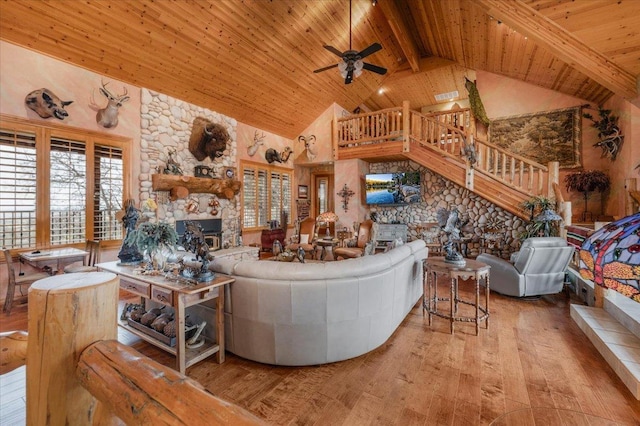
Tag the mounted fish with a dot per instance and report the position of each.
(46, 104)
(107, 117)
(208, 139)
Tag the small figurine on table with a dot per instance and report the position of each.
(193, 240)
(129, 253)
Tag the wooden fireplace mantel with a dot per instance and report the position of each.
(182, 186)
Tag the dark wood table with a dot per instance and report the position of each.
(472, 270)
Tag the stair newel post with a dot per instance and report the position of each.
(554, 177)
(406, 126)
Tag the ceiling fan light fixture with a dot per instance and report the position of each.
(358, 65)
(357, 73)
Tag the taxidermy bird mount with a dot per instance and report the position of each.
(352, 62)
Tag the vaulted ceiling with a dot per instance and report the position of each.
(253, 60)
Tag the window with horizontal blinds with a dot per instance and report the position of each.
(108, 169)
(68, 191)
(17, 189)
(266, 193)
(80, 176)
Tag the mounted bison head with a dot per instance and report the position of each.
(208, 139)
(46, 104)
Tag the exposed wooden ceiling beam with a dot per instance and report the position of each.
(402, 34)
(563, 44)
(424, 65)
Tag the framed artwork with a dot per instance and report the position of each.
(542, 137)
(303, 191)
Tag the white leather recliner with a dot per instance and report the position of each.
(538, 268)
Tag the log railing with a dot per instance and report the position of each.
(512, 169)
(365, 128)
(77, 373)
(450, 133)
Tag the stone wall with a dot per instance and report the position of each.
(439, 192)
(166, 125)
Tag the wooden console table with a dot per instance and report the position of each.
(473, 270)
(179, 296)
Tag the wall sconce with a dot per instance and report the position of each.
(345, 193)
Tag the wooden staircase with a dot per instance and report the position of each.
(446, 144)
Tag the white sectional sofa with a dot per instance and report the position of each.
(288, 313)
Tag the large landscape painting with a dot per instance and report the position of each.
(542, 137)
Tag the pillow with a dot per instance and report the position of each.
(304, 239)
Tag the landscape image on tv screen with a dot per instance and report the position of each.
(393, 188)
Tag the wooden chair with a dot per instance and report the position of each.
(432, 236)
(19, 281)
(305, 238)
(88, 265)
(364, 236)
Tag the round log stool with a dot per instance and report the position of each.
(67, 313)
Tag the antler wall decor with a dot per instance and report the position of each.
(345, 193)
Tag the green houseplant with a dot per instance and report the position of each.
(587, 181)
(152, 239)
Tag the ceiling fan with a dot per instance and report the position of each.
(352, 62)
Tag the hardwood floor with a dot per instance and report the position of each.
(532, 356)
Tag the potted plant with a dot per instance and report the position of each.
(586, 182)
(543, 220)
(152, 239)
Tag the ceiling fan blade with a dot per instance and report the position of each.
(349, 78)
(369, 50)
(325, 68)
(374, 68)
(333, 50)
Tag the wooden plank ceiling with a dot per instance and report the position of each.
(254, 59)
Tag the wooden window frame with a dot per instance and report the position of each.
(269, 169)
(43, 132)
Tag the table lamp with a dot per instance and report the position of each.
(327, 217)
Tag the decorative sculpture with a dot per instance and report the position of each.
(46, 104)
(476, 103)
(172, 167)
(451, 224)
(129, 253)
(300, 254)
(276, 249)
(608, 132)
(193, 241)
(345, 193)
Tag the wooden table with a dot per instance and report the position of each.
(179, 296)
(474, 270)
(53, 258)
(324, 243)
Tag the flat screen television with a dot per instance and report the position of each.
(397, 188)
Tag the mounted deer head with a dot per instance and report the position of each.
(309, 146)
(107, 117)
(257, 141)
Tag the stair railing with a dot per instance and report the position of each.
(450, 134)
